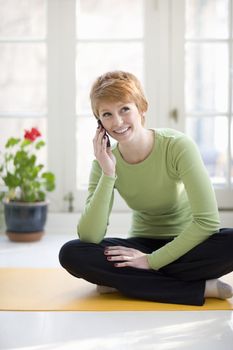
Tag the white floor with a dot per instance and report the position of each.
(103, 330)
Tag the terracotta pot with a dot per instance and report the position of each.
(25, 221)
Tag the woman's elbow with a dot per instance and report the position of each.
(212, 225)
(89, 238)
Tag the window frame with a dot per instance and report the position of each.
(224, 196)
(61, 98)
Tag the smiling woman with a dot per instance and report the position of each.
(118, 101)
(175, 251)
(117, 118)
(123, 123)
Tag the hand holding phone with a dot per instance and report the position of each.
(105, 134)
(103, 152)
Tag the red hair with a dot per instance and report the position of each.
(117, 86)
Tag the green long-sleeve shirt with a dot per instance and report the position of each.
(170, 195)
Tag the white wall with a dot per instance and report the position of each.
(62, 223)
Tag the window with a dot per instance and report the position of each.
(203, 75)
(207, 92)
(23, 101)
(110, 36)
(181, 50)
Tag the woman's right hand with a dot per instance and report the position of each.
(104, 154)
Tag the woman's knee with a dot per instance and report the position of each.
(64, 254)
(75, 253)
(69, 253)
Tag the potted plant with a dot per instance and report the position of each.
(25, 204)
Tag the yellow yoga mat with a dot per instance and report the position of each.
(53, 289)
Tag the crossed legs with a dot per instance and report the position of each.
(181, 282)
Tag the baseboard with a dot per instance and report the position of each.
(62, 223)
(67, 222)
(119, 222)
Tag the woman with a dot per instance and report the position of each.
(175, 252)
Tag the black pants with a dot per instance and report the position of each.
(181, 282)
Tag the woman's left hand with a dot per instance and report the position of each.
(126, 257)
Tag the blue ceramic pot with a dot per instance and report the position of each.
(25, 218)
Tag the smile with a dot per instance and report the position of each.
(121, 131)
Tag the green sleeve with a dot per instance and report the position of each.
(186, 162)
(93, 223)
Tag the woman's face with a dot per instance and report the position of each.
(121, 120)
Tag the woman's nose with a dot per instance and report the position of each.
(118, 120)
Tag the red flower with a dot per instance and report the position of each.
(32, 135)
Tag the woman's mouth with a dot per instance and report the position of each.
(121, 131)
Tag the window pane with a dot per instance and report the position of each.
(206, 85)
(211, 136)
(23, 18)
(14, 127)
(107, 56)
(104, 19)
(207, 19)
(22, 77)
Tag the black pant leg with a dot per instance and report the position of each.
(211, 259)
(87, 260)
(77, 256)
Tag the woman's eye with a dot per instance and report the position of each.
(106, 115)
(125, 109)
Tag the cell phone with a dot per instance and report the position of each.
(105, 134)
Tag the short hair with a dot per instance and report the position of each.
(117, 86)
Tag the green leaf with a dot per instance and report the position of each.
(12, 142)
(29, 197)
(31, 160)
(11, 180)
(20, 158)
(36, 185)
(41, 166)
(41, 196)
(35, 171)
(48, 176)
(49, 181)
(25, 143)
(40, 144)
